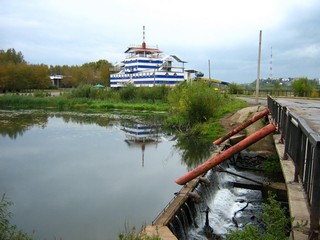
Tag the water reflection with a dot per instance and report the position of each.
(139, 131)
(141, 135)
(77, 176)
(195, 150)
(14, 124)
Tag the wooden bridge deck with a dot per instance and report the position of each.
(159, 226)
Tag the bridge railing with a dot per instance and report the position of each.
(302, 144)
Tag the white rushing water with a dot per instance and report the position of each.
(224, 203)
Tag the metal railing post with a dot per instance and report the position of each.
(287, 138)
(315, 196)
(297, 153)
(283, 124)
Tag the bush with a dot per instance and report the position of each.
(234, 88)
(275, 221)
(112, 94)
(131, 234)
(87, 91)
(8, 231)
(303, 87)
(40, 94)
(271, 166)
(152, 94)
(193, 103)
(128, 93)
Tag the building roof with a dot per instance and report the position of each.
(177, 59)
(141, 49)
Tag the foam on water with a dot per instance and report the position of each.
(224, 203)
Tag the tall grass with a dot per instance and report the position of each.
(194, 107)
(189, 105)
(67, 103)
(126, 94)
(194, 103)
(132, 234)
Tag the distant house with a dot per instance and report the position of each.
(56, 80)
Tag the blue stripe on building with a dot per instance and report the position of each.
(145, 61)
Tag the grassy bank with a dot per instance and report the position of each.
(196, 109)
(193, 109)
(81, 104)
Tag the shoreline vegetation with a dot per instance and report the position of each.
(191, 110)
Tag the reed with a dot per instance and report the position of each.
(68, 103)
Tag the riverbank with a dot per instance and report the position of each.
(77, 104)
(179, 110)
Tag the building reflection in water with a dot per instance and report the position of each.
(139, 135)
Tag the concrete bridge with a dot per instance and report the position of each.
(298, 146)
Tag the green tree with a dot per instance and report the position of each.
(11, 56)
(302, 87)
(235, 88)
(3, 77)
(105, 75)
(277, 87)
(40, 77)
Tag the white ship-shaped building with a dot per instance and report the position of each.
(146, 66)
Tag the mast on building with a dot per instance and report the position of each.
(144, 45)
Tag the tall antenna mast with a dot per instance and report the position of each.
(270, 75)
(144, 38)
(258, 75)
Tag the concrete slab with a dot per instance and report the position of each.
(308, 109)
(156, 230)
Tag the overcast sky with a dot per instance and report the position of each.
(70, 32)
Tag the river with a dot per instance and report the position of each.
(76, 176)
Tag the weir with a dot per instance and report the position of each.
(196, 199)
(214, 161)
(221, 206)
(169, 223)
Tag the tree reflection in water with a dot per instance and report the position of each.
(14, 124)
(195, 149)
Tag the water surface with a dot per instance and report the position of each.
(74, 176)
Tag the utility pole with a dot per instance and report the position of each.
(258, 75)
(270, 75)
(209, 70)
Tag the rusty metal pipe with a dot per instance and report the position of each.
(256, 117)
(210, 163)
